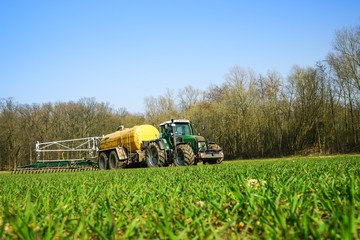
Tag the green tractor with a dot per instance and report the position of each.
(179, 145)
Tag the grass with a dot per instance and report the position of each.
(299, 198)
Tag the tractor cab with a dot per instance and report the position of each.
(183, 132)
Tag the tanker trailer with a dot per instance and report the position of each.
(124, 147)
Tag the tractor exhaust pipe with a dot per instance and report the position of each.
(174, 137)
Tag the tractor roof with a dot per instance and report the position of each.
(175, 121)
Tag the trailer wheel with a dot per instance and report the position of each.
(113, 159)
(103, 160)
(185, 156)
(154, 156)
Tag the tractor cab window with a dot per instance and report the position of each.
(165, 129)
(182, 129)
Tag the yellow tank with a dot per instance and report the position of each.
(129, 138)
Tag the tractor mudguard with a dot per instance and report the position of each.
(161, 144)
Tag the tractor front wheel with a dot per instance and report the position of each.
(185, 155)
(154, 156)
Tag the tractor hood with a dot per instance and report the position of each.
(191, 138)
(200, 138)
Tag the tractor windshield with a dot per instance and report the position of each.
(182, 129)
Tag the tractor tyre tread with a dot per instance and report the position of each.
(161, 158)
(188, 153)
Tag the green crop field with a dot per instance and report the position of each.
(301, 198)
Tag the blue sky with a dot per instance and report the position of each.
(121, 52)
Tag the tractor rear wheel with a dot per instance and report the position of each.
(185, 155)
(113, 159)
(103, 161)
(154, 156)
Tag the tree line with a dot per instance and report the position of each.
(314, 109)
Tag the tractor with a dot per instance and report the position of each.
(178, 145)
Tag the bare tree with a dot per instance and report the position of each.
(345, 63)
(347, 47)
(10, 138)
(188, 97)
(161, 108)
